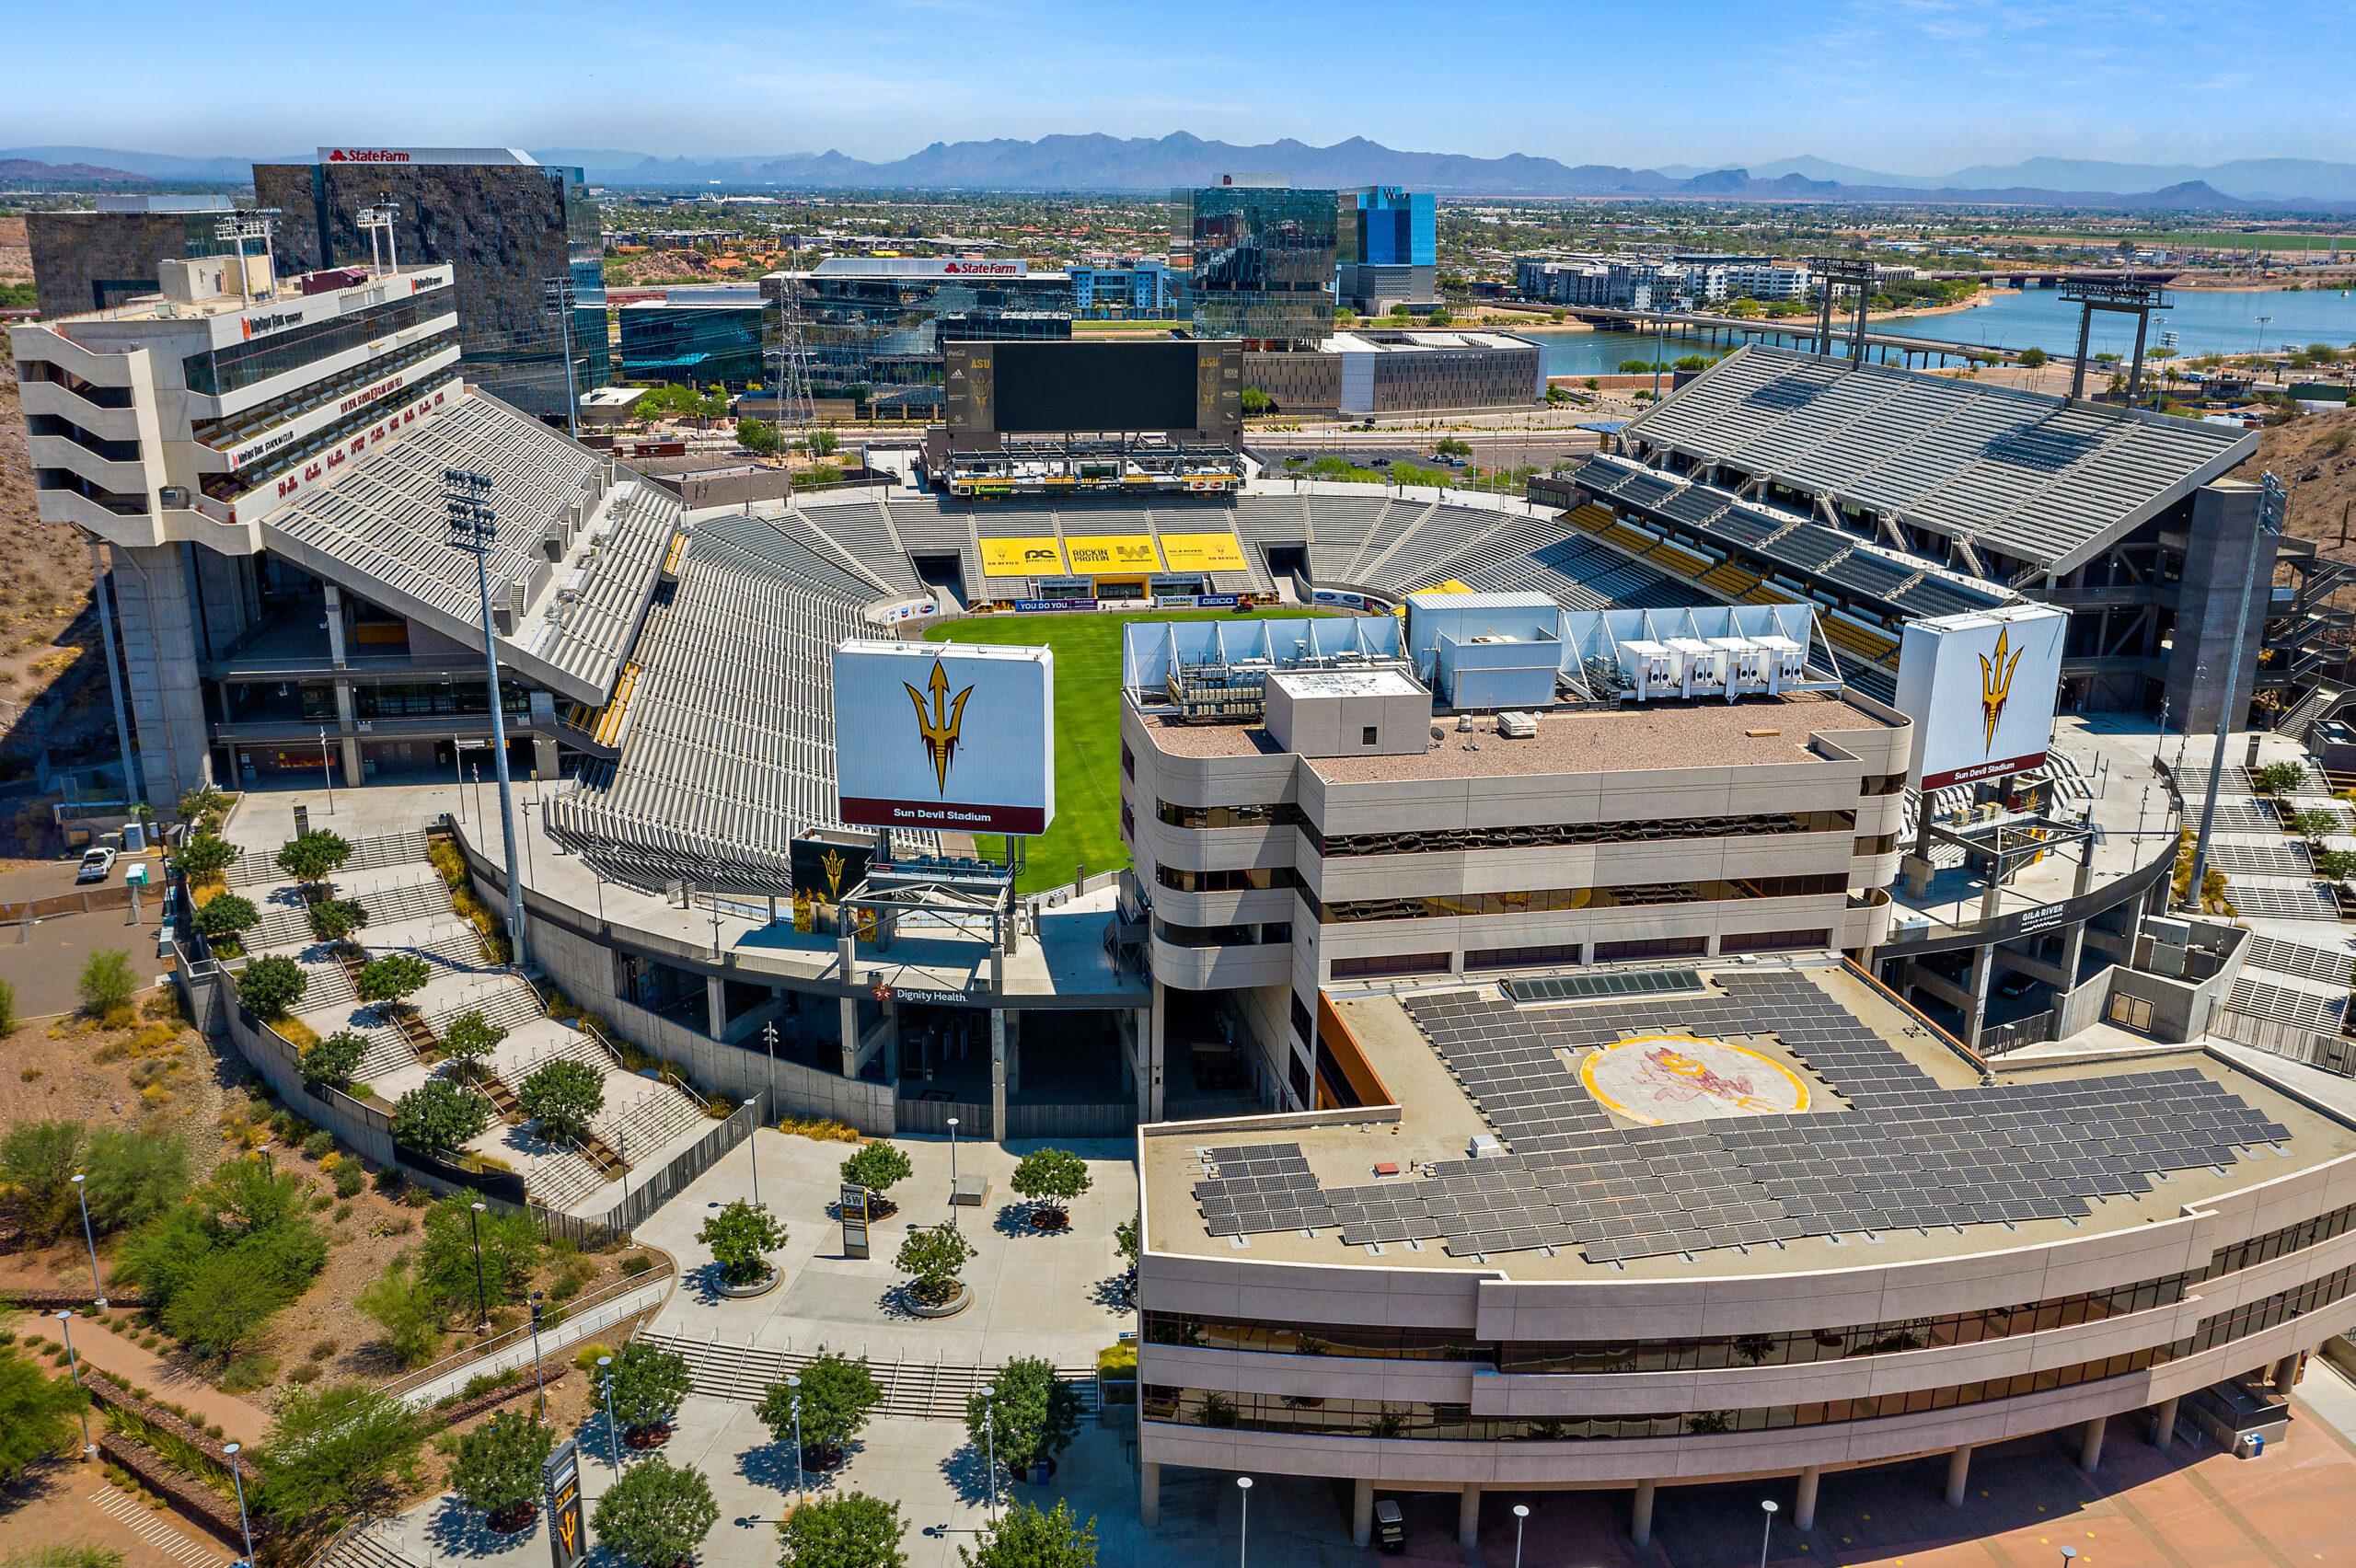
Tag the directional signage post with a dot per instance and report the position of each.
(560, 1479)
(854, 1212)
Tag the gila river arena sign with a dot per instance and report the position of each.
(1660, 1079)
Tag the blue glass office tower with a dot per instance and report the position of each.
(1390, 248)
(1259, 260)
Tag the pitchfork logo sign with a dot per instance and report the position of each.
(946, 737)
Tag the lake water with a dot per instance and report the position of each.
(2205, 322)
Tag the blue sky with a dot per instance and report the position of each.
(1909, 86)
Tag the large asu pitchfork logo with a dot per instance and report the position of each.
(940, 725)
(1996, 686)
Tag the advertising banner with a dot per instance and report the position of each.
(1202, 552)
(1026, 556)
(1101, 553)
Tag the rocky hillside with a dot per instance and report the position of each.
(2314, 455)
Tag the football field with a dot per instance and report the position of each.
(1087, 829)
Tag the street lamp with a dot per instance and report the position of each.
(753, 1143)
(65, 1326)
(2069, 1555)
(1521, 1518)
(1243, 1520)
(768, 1029)
(794, 1388)
(953, 1162)
(474, 528)
(613, 1428)
(89, 1239)
(1766, 1507)
(474, 1229)
(989, 1452)
(539, 1378)
(237, 1479)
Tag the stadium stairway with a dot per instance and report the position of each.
(928, 1391)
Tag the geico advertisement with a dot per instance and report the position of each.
(1980, 689)
(957, 739)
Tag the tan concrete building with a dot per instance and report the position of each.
(1746, 1218)
(1332, 829)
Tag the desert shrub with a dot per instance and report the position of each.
(107, 982)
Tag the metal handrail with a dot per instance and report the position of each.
(507, 1337)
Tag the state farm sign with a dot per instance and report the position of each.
(367, 155)
(980, 269)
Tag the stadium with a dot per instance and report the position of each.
(1556, 955)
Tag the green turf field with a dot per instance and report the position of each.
(1087, 829)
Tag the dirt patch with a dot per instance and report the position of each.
(48, 626)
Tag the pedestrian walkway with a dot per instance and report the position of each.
(171, 1542)
(129, 1362)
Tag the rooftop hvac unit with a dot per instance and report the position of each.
(1650, 668)
(1704, 667)
(1485, 1146)
(1517, 726)
(1788, 659)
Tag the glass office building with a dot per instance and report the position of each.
(1390, 248)
(98, 261)
(1259, 261)
(873, 326)
(506, 223)
(695, 342)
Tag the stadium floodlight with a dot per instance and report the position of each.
(474, 528)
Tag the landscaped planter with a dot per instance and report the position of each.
(643, 1437)
(1049, 1219)
(949, 1308)
(761, 1287)
(514, 1518)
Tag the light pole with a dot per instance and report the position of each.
(89, 1239)
(539, 1378)
(474, 528)
(474, 1231)
(1521, 1518)
(326, 778)
(65, 1327)
(613, 1428)
(1766, 1507)
(952, 1165)
(794, 1388)
(1243, 1521)
(989, 1452)
(2069, 1555)
(753, 1143)
(237, 1479)
(557, 298)
(768, 1029)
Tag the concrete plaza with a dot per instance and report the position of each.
(1034, 1294)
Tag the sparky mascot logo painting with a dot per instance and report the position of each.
(940, 725)
(1995, 686)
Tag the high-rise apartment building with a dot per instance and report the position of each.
(507, 223)
(1258, 259)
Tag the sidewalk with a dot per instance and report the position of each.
(127, 1362)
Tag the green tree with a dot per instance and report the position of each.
(1557, 396)
(438, 1116)
(852, 1531)
(823, 443)
(107, 982)
(1635, 367)
(562, 1097)
(398, 1303)
(741, 1236)
(1256, 403)
(334, 1059)
(837, 1394)
(335, 919)
(656, 1515)
(1034, 1416)
(334, 1453)
(1051, 1177)
(227, 914)
(878, 1167)
(512, 1249)
(1026, 1537)
(758, 437)
(647, 1387)
(204, 855)
(470, 1039)
(1126, 1239)
(38, 1160)
(225, 1304)
(36, 1414)
(2278, 778)
(2336, 865)
(392, 978)
(934, 1255)
(497, 1470)
(134, 1177)
(2034, 359)
(2314, 824)
(1449, 447)
(270, 985)
(313, 857)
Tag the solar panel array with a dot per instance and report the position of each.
(1894, 1149)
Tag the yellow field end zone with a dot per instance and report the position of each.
(1202, 552)
(1113, 552)
(1028, 556)
(1659, 1079)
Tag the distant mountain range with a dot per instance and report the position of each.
(1097, 162)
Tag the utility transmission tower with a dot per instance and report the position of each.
(796, 411)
